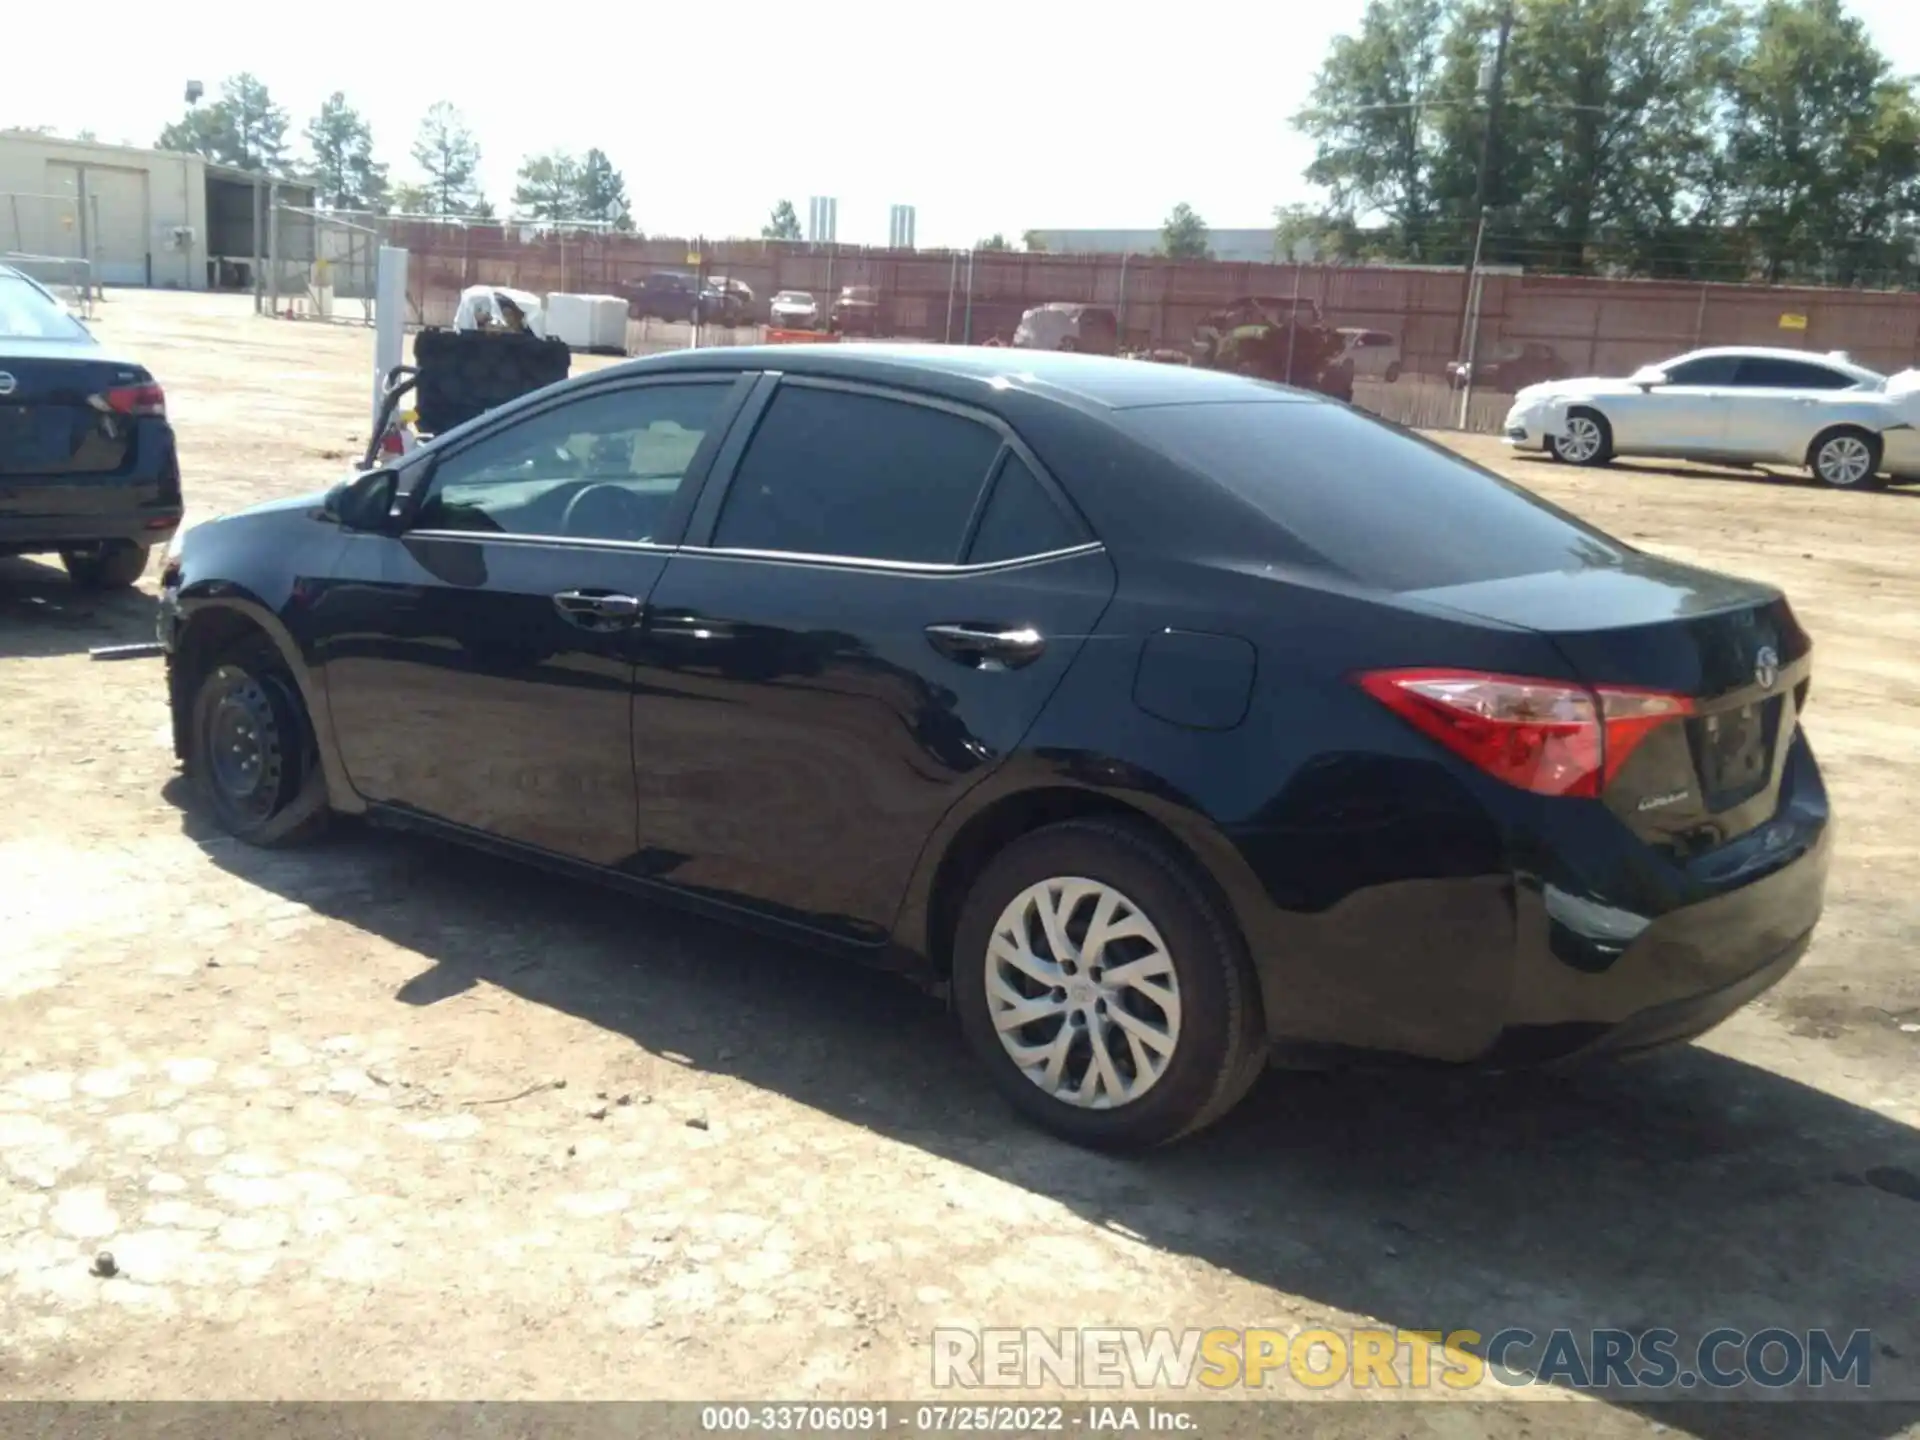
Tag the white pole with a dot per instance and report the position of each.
(389, 319)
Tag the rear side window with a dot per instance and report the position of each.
(1372, 500)
(1709, 370)
(1021, 519)
(1767, 372)
(27, 314)
(833, 473)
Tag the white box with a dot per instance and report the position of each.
(588, 322)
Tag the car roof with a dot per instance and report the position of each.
(1781, 352)
(972, 372)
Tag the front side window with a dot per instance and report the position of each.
(835, 473)
(604, 467)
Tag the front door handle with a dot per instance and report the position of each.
(597, 609)
(988, 647)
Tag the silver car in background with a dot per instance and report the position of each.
(794, 310)
(1749, 405)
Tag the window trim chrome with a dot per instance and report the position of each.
(930, 569)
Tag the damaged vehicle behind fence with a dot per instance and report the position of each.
(1280, 338)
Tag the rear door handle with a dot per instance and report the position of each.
(597, 610)
(988, 647)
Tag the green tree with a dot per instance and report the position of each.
(548, 188)
(1372, 117)
(995, 241)
(783, 224)
(198, 132)
(1183, 236)
(1824, 151)
(346, 176)
(243, 127)
(1033, 242)
(603, 192)
(449, 157)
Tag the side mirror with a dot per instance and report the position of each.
(1648, 377)
(364, 502)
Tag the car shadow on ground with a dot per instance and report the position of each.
(1688, 1191)
(42, 614)
(1758, 475)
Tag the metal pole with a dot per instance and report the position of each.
(1123, 296)
(1473, 319)
(1293, 323)
(389, 319)
(259, 246)
(273, 248)
(953, 279)
(1493, 110)
(967, 338)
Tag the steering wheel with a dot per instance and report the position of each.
(607, 512)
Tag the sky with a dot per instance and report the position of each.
(991, 115)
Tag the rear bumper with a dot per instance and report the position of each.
(144, 525)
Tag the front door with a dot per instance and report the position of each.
(1685, 416)
(891, 593)
(479, 667)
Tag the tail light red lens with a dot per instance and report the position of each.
(1546, 736)
(137, 400)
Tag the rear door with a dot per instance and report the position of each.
(868, 616)
(1772, 409)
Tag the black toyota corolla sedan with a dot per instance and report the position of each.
(1172, 721)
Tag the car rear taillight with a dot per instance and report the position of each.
(137, 400)
(1547, 736)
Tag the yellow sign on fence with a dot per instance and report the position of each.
(1793, 322)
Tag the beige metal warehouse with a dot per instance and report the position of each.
(135, 217)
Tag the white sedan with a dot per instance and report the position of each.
(1847, 424)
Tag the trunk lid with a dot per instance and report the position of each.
(1732, 647)
(55, 419)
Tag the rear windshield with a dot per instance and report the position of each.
(1379, 503)
(27, 314)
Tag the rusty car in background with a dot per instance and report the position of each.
(1509, 368)
(1277, 337)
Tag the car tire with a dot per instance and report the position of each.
(1393, 373)
(1846, 457)
(1211, 1047)
(1589, 443)
(116, 565)
(248, 708)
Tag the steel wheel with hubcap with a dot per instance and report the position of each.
(1846, 459)
(1107, 993)
(1588, 440)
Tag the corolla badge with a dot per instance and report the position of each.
(1766, 667)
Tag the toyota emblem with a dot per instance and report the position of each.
(1766, 667)
(7, 383)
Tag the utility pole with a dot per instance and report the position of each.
(1470, 319)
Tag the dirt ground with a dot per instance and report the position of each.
(387, 1120)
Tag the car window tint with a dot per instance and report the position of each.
(1708, 370)
(832, 473)
(605, 467)
(1020, 519)
(1769, 372)
(1373, 501)
(26, 313)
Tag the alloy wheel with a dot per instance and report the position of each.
(1582, 441)
(1082, 993)
(1844, 460)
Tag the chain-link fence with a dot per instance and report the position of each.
(1423, 346)
(43, 236)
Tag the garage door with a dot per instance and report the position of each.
(117, 212)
